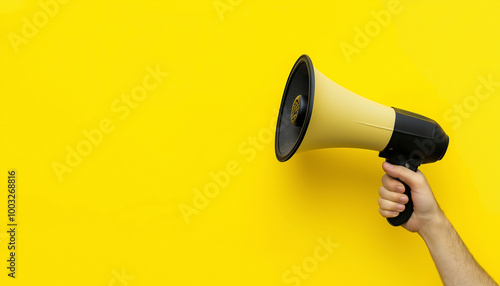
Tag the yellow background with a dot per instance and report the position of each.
(117, 213)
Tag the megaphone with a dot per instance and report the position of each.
(317, 113)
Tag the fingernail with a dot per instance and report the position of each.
(403, 199)
(395, 214)
(400, 207)
(388, 166)
(400, 189)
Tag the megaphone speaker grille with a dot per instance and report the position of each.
(296, 109)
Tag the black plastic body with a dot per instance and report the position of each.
(415, 140)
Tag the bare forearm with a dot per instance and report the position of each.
(454, 262)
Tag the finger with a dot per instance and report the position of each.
(392, 184)
(390, 206)
(388, 214)
(412, 179)
(392, 196)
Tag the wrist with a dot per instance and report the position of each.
(433, 226)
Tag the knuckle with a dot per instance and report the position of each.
(382, 212)
(420, 179)
(421, 174)
(387, 214)
(381, 190)
(384, 178)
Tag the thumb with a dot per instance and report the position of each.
(412, 179)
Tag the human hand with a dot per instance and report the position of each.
(392, 199)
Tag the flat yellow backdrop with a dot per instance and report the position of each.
(142, 137)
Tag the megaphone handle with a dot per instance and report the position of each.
(411, 164)
(405, 215)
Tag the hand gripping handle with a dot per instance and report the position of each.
(405, 215)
